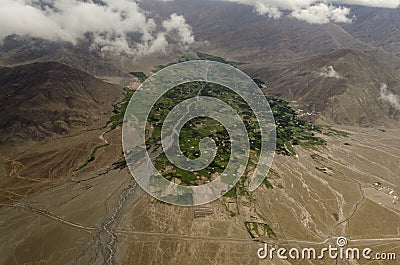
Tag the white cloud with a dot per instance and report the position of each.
(322, 14)
(178, 24)
(386, 95)
(313, 11)
(271, 12)
(372, 3)
(329, 71)
(110, 24)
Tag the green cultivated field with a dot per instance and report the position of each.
(290, 131)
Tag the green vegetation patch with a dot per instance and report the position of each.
(92, 156)
(119, 109)
(291, 130)
(231, 193)
(272, 174)
(209, 57)
(329, 131)
(140, 75)
(257, 230)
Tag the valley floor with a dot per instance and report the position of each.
(101, 216)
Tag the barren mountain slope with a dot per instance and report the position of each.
(44, 99)
(345, 86)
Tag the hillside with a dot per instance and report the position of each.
(385, 34)
(236, 32)
(17, 50)
(44, 99)
(343, 86)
